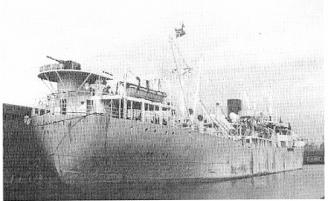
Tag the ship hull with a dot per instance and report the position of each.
(98, 148)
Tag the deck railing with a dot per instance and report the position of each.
(50, 67)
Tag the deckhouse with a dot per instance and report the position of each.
(83, 92)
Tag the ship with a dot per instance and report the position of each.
(96, 128)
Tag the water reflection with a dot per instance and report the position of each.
(305, 183)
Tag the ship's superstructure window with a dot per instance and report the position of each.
(89, 105)
(165, 115)
(133, 110)
(115, 107)
(129, 110)
(149, 113)
(136, 107)
(63, 106)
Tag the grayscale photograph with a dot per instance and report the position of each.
(162, 100)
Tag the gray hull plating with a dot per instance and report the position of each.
(98, 148)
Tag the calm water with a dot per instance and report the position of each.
(305, 183)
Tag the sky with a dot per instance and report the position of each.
(263, 52)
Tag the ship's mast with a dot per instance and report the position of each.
(181, 71)
(196, 96)
(179, 75)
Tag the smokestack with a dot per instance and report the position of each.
(234, 105)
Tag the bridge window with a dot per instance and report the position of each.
(63, 106)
